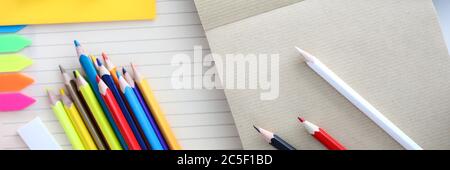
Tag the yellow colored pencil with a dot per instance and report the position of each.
(156, 110)
(77, 122)
(94, 61)
(65, 122)
(99, 115)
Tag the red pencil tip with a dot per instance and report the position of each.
(105, 57)
(301, 119)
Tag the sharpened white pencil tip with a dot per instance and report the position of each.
(123, 84)
(308, 57)
(52, 97)
(102, 87)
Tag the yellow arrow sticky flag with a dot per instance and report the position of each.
(13, 62)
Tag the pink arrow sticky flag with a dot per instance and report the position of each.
(14, 101)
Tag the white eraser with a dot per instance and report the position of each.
(37, 136)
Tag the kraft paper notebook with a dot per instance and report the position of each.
(390, 52)
(200, 119)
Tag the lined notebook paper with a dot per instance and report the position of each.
(201, 119)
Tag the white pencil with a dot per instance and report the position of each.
(359, 102)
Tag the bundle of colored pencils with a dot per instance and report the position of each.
(109, 110)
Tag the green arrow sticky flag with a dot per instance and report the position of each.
(11, 43)
(13, 62)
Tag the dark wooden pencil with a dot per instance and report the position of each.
(274, 139)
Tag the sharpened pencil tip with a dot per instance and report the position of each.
(118, 74)
(137, 76)
(76, 73)
(77, 44)
(63, 93)
(124, 70)
(105, 57)
(308, 57)
(61, 69)
(256, 128)
(301, 119)
(98, 62)
(93, 59)
(51, 97)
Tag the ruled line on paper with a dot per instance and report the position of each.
(155, 81)
(60, 132)
(148, 52)
(184, 139)
(102, 42)
(169, 115)
(200, 118)
(32, 108)
(121, 28)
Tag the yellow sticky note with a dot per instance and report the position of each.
(27, 12)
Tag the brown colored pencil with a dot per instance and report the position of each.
(85, 113)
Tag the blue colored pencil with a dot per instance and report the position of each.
(133, 101)
(91, 75)
(107, 78)
(133, 85)
(132, 113)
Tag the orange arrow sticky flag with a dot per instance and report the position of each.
(13, 82)
(13, 62)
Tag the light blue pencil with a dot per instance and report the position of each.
(150, 118)
(139, 112)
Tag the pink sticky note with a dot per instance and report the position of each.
(14, 101)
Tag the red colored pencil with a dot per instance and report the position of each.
(323, 137)
(118, 116)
